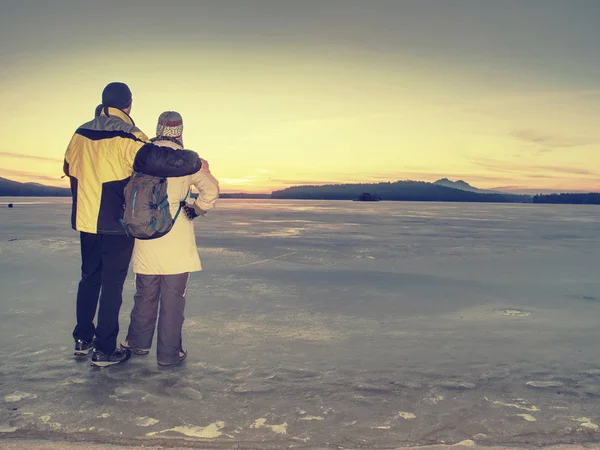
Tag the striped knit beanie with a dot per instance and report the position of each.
(170, 124)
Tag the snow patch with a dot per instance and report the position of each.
(465, 443)
(145, 421)
(513, 313)
(18, 396)
(586, 422)
(277, 429)
(544, 384)
(527, 417)
(531, 408)
(209, 432)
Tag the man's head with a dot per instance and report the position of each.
(117, 95)
(170, 124)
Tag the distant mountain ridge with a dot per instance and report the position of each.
(442, 190)
(10, 188)
(464, 186)
(460, 184)
(401, 191)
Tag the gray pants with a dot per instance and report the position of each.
(169, 292)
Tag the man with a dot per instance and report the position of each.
(99, 160)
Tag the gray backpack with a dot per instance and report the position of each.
(147, 214)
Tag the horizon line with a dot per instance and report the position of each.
(515, 190)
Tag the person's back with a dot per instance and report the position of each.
(176, 251)
(163, 265)
(100, 163)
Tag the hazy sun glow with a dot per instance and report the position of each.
(272, 116)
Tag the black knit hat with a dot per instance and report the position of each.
(116, 95)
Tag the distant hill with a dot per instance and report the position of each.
(591, 198)
(443, 190)
(460, 184)
(9, 188)
(399, 190)
(464, 186)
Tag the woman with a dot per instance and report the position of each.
(162, 266)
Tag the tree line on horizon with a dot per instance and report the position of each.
(395, 191)
(591, 198)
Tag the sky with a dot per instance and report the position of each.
(276, 93)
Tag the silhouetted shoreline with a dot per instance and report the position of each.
(418, 191)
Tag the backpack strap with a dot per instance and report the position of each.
(181, 204)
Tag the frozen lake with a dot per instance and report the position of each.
(324, 324)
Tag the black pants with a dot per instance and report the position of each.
(105, 260)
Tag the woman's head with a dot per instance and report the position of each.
(170, 124)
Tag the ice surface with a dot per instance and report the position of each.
(324, 323)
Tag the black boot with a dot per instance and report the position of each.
(103, 360)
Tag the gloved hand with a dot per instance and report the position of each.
(191, 211)
(205, 167)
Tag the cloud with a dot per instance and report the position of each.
(534, 191)
(547, 140)
(530, 170)
(24, 176)
(304, 182)
(32, 157)
(236, 180)
(508, 188)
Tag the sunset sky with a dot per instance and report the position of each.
(275, 93)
